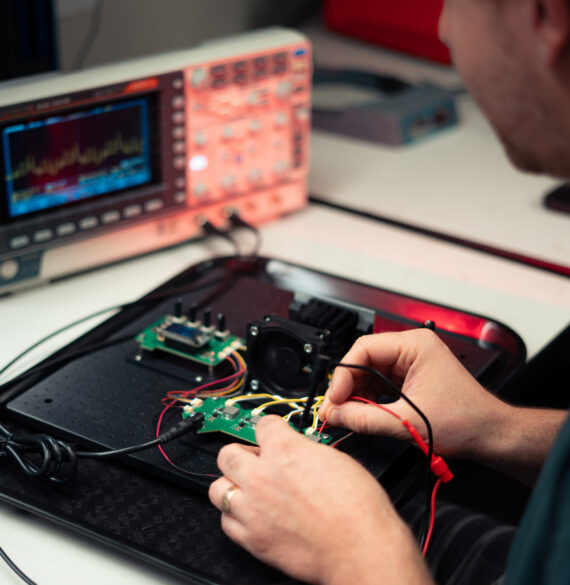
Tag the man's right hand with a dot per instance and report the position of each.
(466, 419)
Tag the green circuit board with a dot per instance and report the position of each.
(191, 341)
(234, 420)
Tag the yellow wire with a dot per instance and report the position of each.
(317, 403)
(279, 401)
(251, 396)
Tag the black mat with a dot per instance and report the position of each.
(103, 399)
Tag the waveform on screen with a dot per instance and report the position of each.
(75, 155)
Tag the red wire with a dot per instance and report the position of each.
(386, 409)
(437, 464)
(339, 441)
(239, 371)
(432, 516)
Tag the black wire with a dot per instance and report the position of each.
(94, 347)
(57, 332)
(57, 459)
(15, 568)
(393, 388)
(92, 33)
(55, 454)
(209, 229)
(192, 422)
(41, 456)
(237, 222)
(53, 362)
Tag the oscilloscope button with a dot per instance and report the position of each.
(199, 77)
(88, 223)
(110, 216)
(302, 114)
(65, 229)
(178, 117)
(180, 197)
(178, 132)
(43, 235)
(179, 147)
(153, 205)
(179, 162)
(19, 241)
(178, 102)
(132, 211)
(180, 182)
(9, 269)
(178, 83)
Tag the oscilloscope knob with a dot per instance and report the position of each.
(199, 78)
(255, 126)
(200, 189)
(254, 175)
(281, 119)
(284, 90)
(253, 99)
(201, 138)
(227, 182)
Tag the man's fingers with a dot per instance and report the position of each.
(374, 351)
(235, 530)
(236, 460)
(368, 419)
(274, 429)
(217, 490)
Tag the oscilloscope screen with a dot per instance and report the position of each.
(67, 158)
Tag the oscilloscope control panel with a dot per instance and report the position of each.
(112, 162)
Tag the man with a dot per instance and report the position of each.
(315, 513)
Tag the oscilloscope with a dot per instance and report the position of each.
(120, 160)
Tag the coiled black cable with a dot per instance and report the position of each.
(41, 456)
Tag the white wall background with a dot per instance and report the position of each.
(130, 28)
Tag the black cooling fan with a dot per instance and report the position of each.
(281, 354)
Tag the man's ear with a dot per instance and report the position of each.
(552, 27)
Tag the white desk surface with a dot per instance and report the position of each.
(534, 303)
(459, 183)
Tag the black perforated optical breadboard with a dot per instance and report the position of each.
(104, 399)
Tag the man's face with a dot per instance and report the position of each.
(493, 54)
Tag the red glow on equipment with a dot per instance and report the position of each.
(142, 85)
(405, 25)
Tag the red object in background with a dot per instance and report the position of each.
(404, 25)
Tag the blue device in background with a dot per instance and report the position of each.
(379, 108)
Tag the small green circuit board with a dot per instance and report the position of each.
(233, 419)
(191, 341)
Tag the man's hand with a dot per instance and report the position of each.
(467, 421)
(313, 512)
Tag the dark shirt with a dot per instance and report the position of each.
(540, 553)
